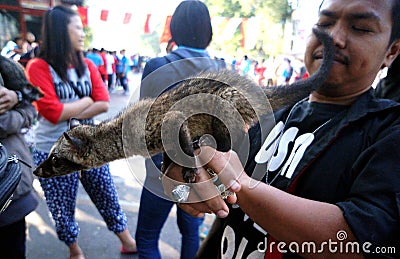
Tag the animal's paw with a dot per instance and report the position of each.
(189, 174)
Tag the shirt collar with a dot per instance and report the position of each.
(193, 49)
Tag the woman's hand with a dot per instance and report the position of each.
(8, 99)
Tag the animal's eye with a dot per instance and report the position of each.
(55, 161)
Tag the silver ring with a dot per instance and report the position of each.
(223, 191)
(180, 193)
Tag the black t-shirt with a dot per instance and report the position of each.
(340, 158)
(301, 127)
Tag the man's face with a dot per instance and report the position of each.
(361, 31)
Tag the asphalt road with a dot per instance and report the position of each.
(95, 239)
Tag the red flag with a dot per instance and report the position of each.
(243, 30)
(166, 36)
(147, 24)
(83, 13)
(104, 15)
(127, 18)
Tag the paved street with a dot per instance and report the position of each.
(95, 239)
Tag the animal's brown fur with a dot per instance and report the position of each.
(138, 130)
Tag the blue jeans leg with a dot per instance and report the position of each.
(189, 228)
(153, 212)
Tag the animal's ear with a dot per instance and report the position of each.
(73, 123)
(76, 143)
(34, 90)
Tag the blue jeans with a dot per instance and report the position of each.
(153, 212)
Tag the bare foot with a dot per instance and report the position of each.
(127, 241)
(75, 252)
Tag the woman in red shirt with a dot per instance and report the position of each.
(72, 88)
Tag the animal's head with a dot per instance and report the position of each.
(31, 93)
(69, 154)
(13, 77)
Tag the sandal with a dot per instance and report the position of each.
(127, 252)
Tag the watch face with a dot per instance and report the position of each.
(19, 95)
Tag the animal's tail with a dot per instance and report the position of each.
(288, 95)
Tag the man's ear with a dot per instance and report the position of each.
(391, 54)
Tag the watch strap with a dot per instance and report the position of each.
(19, 96)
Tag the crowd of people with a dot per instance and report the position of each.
(329, 166)
(21, 49)
(114, 67)
(271, 71)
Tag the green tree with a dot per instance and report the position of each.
(150, 43)
(272, 16)
(88, 36)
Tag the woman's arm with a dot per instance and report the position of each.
(75, 109)
(93, 110)
(38, 73)
(99, 94)
(49, 106)
(88, 107)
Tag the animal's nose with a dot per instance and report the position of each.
(38, 172)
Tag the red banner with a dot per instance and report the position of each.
(83, 13)
(243, 29)
(147, 24)
(104, 15)
(166, 36)
(127, 18)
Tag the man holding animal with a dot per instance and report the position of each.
(326, 178)
(330, 172)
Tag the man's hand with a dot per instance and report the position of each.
(8, 99)
(226, 164)
(204, 196)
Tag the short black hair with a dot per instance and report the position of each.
(395, 33)
(191, 25)
(395, 21)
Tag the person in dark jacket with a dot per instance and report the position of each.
(327, 177)
(16, 115)
(389, 86)
(192, 33)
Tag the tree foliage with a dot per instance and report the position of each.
(88, 36)
(271, 16)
